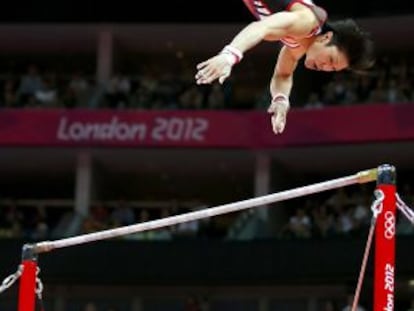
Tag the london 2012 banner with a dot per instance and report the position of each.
(204, 129)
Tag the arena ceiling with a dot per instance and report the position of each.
(174, 11)
(389, 33)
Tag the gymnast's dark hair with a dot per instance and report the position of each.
(354, 42)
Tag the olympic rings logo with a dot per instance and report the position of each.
(389, 225)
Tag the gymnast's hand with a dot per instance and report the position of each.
(218, 67)
(279, 109)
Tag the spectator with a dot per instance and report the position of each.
(345, 221)
(46, 96)
(216, 97)
(338, 199)
(192, 98)
(379, 93)
(299, 225)
(41, 228)
(394, 93)
(324, 221)
(118, 91)
(9, 95)
(122, 215)
(169, 86)
(78, 91)
(11, 220)
(78, 83)
(313, 101)
(97, 220)
(30, 83)
(361, 213)
(363, 89)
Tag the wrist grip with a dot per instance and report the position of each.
(235, 53)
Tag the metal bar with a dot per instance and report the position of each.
(361, 177)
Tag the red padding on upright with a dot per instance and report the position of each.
(28, 286)
(385, 252)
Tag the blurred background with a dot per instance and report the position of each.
(102, 125)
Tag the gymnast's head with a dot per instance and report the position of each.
(342, 45)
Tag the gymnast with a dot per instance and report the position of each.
(304, 31)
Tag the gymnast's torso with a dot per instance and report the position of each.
(263, 8)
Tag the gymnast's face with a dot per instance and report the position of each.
(325, 57)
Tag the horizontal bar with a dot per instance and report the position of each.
(361, 177)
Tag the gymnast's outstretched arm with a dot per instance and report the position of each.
(296, 23)
(281, 85)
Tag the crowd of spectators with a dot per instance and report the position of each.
(24, 222)
(392, 83)
(42, 223)
(152, 87)
(344, 213)
(47, 89)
